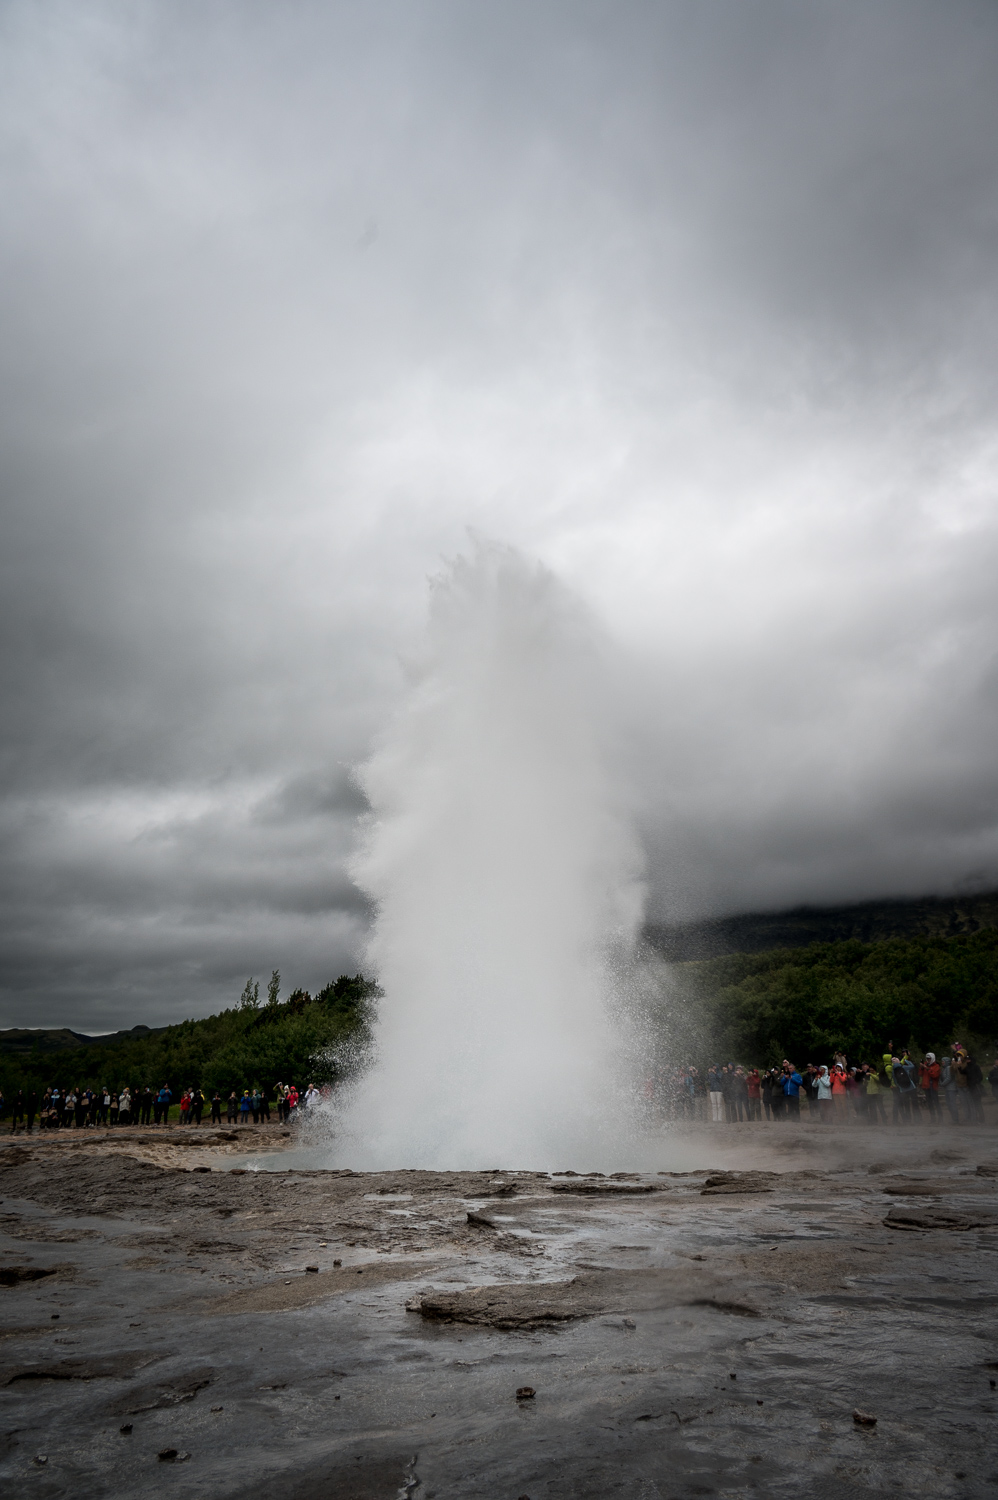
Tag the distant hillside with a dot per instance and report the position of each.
(865, 922)
(299, 1039)
(22, 1040)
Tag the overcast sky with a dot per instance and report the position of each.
(696, 302)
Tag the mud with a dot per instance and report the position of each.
(710, 1330)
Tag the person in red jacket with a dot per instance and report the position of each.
(840, 1096)
(753, 1084)
(928, 1081)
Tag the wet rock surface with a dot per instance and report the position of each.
(587, 1189)
(545, 1304)
(738, 1182)
(756, 1328)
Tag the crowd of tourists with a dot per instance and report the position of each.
(896, 1090)
(66, 1108)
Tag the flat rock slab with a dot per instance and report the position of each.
(923, 1188)
(738, 1182)
(19, 1275)
(286, 1293)
(913, 1189)
(938, 1218)
(545, 1304)
(586, 1189)
(14, 1275)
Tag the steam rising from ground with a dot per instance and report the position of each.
(506, 884)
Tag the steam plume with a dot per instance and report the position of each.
(505, 882)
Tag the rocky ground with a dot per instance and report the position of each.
(175, 1322)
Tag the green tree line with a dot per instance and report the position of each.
(801, 1003)
(301, 1039)
(808, 1003)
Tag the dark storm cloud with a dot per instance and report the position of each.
(696, 302)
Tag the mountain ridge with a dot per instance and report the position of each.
(800, 926)
(26, 1039)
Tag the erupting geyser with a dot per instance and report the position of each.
(506, 886)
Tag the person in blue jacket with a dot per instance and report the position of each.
(791, 1088)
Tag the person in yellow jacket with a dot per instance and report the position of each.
(875, 1091)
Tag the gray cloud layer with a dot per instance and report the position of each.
(697, 303)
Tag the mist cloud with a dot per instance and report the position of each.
(696, 304)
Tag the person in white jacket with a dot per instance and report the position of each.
(825, 1104)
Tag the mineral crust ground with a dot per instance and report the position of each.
(778, 1311)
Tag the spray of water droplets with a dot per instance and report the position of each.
(506, 885)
